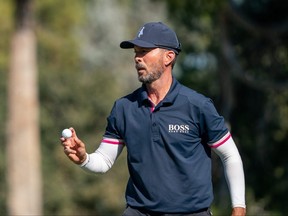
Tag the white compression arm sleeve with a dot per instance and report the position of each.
(103, 158)
(233, 169)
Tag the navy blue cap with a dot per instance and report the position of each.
(152, 35)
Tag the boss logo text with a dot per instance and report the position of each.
(178, 128)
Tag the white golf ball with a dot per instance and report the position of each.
(66, 133)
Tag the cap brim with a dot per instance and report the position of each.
(131, 43)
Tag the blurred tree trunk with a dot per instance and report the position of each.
(23, 149)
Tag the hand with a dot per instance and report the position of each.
(74, 148)
(238, 211)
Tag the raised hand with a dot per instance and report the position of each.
(74, 148)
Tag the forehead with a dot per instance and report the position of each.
(143, 48)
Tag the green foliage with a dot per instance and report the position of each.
(5, 32)
(71, 95)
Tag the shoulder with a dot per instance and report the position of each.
(193, 97)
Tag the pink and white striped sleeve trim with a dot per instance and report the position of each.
(221, 141)
(112, 141)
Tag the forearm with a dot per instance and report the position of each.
(103, 158)
(233, 169)
(96, 163)
(235, 179)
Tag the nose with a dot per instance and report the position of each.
(137, 58)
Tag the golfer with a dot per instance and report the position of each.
(169, 131)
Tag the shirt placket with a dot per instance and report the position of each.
(154, 123)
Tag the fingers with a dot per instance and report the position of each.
(74, 148)
(69, 141)
(68, 150)
(73, 140)
(73, 132)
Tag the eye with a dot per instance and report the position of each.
(141, 51)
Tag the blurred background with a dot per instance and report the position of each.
(61, 66)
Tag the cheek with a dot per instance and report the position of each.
(156, 67)
(155, 61)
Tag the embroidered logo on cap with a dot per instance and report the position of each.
(141, 32)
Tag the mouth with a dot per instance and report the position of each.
(139, 67)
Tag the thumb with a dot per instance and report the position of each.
(73, 132)
(75, 138)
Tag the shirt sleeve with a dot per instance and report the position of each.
(213, 126)
(112, 128)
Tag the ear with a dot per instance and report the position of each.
(169, 57)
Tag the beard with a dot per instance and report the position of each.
(149, 76)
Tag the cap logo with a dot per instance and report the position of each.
(141, 32)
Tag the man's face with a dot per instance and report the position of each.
(149, 64)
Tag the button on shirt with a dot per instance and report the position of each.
(168, 148)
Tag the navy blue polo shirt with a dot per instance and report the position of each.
(168, 153)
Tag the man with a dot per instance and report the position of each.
(169, 131)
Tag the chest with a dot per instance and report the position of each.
(170, 127)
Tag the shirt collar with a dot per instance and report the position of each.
(169, 98)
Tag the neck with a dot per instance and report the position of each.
(159, 89)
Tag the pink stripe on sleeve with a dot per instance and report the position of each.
(221, 141)
(113, 141)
